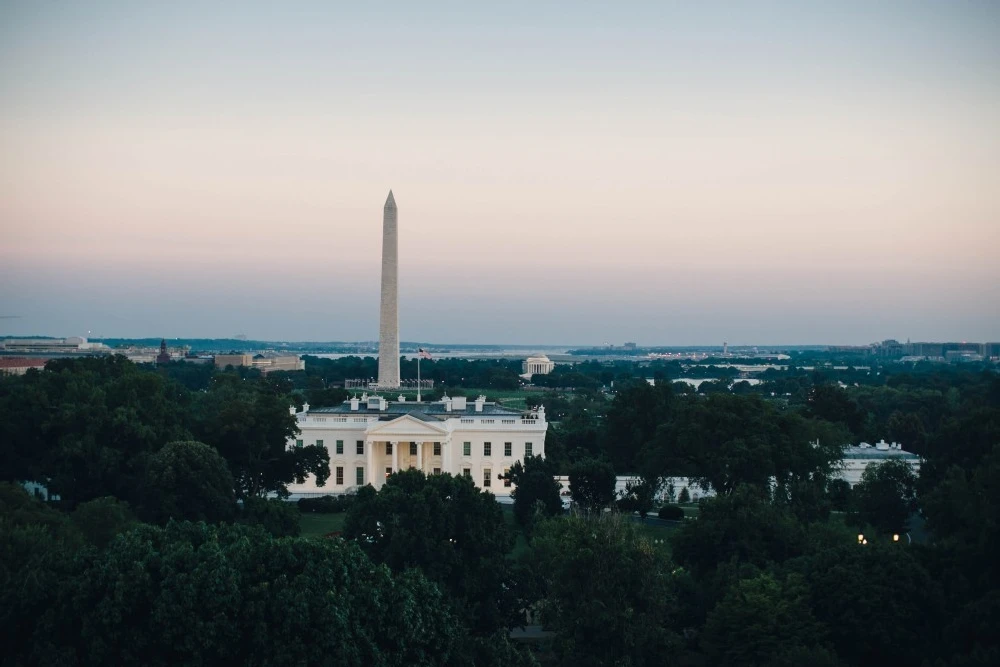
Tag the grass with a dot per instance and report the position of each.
(314, 524)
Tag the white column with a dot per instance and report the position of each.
(420, 456)
(370, 466)
(395, 456)
(446, 456)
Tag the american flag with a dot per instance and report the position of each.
(424, 354)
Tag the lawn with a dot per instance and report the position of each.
(314, 524)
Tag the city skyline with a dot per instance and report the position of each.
(665, 174)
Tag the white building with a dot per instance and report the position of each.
(856, 459)
(539, 365)
(370, 437)
(71, 345)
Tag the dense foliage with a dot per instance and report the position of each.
(784, 566)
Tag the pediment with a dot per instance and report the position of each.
(408, 425)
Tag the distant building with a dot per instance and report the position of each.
(71, 345)
(266, 363)
(629, 346)
(20, 365)
(856, 459)
(163, 357)
(369, 438)
(538, 365)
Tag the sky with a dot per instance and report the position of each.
(668, 173)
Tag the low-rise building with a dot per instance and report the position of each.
(71, 345)
(266, 363)
(20, 365)
(856, 460)
(370, 437)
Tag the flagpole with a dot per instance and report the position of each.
(418, 376)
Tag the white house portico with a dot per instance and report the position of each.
(370, 438)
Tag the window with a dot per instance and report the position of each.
(487, 449)
(437, 471)
(466, 449)
(486, 477)
(467, 472)
(340, 446)
(359, 474)
(508, 449)
(298, 443)
(319, 443)
(340, 475)
(413, 449)
(388, 448)
(527, 449)
(437, 449)
(506, 477)
(388, 471)
(361, 447)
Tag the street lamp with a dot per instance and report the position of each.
(895, 537)
(861, 538)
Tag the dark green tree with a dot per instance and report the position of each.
(635, 413)
(833, 404)
(278, 517)
(838, 492)
(609, 595)
(204, 594)
(101, 519)
(536, 493)
(249, 423)
(885, 497)
(638, 496)
(760, 621)
(449, 529)
(877, 601)
(188, 480)
(744, 527)
(592, 484)
(85, 427)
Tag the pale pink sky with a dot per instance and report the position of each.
(667, 174)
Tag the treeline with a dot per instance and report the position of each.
(149, 558)
(86, 428)
(786, 565)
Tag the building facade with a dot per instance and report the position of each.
(369, 438)
(266, 363)
(538, 365)
(856, 459)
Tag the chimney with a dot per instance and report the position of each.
(354, 404)
(305, 407)
(447, 402)
(401, 399)
(480, 401)
(291, 410)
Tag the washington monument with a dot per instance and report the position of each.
(388, 340)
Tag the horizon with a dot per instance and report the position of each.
(738, 172)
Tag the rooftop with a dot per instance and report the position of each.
(879, 451)
(424, 411)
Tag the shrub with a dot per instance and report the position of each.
(671, 513)
(326, 504)
(277, 517)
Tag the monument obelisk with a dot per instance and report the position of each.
(388, 338)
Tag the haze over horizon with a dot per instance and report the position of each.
(669, 174)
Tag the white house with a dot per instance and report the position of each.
(370, 437)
